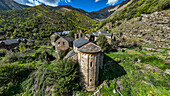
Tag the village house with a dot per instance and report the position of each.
(54, 36)
(90, 59)
(93, 36)
(64, 43)
(61, 41)
(13, 43)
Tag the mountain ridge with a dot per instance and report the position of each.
(98, 15)
(11, 5)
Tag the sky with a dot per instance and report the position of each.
(87, 5)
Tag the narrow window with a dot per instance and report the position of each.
(91, 64)
(81, 35)
(63, 43)
(90, 80)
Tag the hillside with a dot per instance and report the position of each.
(135, 9)
(40, 22)
(151, 29)
(133, 73)
(11, 5)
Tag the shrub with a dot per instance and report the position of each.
(102, 42)
(10, 57)
(3, 52)
(10, 78)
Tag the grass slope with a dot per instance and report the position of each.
(132, 77)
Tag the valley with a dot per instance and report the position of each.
(121, 50)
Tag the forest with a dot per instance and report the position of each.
(39, 22)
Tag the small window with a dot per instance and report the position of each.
(81, 35)
(91, 64)
(58, 43)
(90, 80)
(63, 43)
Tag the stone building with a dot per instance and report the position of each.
(64, 42)
(79, 35)
(94, 35)
(58, 34)
(90, 59)
(13, 43)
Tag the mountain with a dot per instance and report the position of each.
(106, 12)
(11, 5)
(98, 15)
(39, 22)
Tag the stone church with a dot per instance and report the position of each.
(90, 59)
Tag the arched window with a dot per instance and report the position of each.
(58, 43)
(91, 64)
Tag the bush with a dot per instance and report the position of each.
(60, 79)
(103, 43)
(10, 78)
(3, 52)
(10, 57)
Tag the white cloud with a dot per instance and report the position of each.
(32, 1)
(112, 2)
(29, 4)
(38, 2)
(97, 0)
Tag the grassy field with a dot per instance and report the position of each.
(134, 73)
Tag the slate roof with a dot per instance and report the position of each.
(103, 32)
(90, 48)
(62, 33)
(71, 53)
(80, 42)
(68, 38)
(16, 41)
(66, 32)
(58, 33)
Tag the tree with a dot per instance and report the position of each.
(102, 42)
(105, 29)
(71, 33)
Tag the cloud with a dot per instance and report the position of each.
(97, 0)
(38, 2)
(112, 2)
